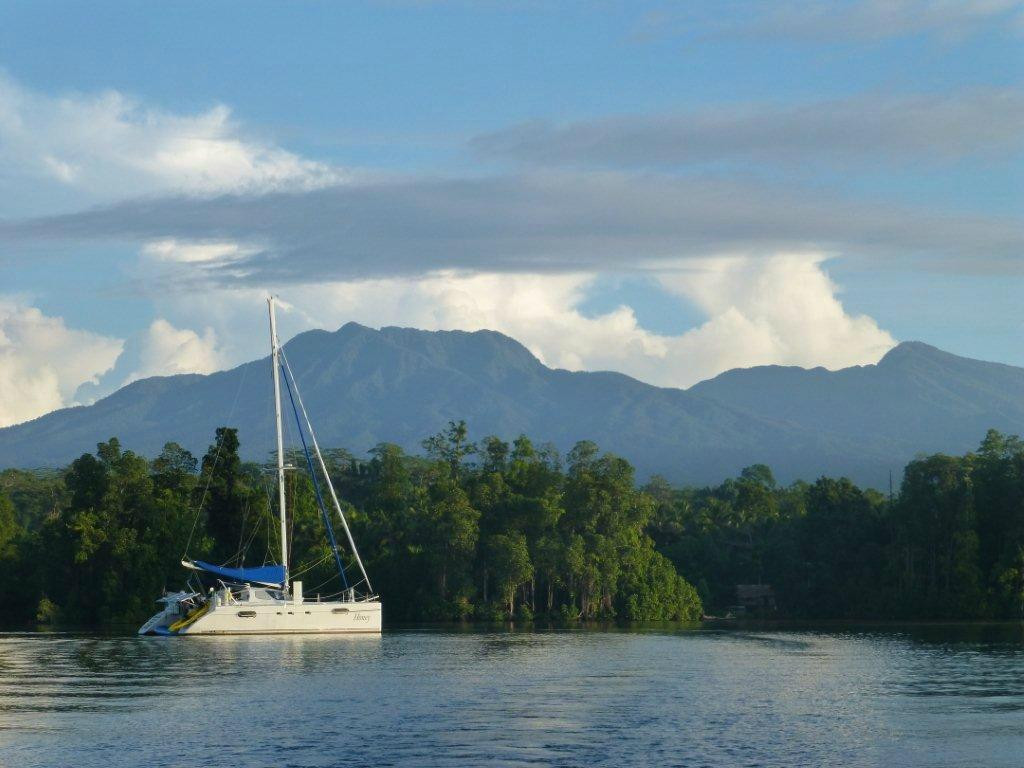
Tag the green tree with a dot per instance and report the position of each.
(451, 531)
(510, 564)
(225, 498)
(937, 539)
(451, 446)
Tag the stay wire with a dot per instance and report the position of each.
(288, 373)
(316, 483)
(216, 460)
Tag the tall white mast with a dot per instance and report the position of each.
(275, 352)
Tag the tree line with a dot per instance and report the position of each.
(947, 545)
(489, 531)
(497, 530)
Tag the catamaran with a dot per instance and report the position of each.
(261, 600)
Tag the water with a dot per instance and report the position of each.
(934, 697)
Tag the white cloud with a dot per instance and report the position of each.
(166, 350)
(779, 309)
(186, 252)
(43, 362)
(88, 148)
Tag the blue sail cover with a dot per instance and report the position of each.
(268, 575)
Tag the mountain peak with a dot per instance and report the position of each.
(914, 354)
(353, 327)
(484, 351)
(906, 350)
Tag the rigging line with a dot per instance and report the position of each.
(290, 479)
(311, 566)
(325, 581)
(268, 517)
(316, 484)
(239, 553)
(244, 548)
(323, 467)
(357, 583)
(216, 459)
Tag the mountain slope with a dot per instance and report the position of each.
(363, 386)
(917, 399)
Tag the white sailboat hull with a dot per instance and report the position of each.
(272, 618)
(288, 618)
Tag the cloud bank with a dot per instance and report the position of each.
(43, 361)
(873, 129)
(530, 223)
(46, 365)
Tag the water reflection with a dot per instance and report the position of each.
(840, 696)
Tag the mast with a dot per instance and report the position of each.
(275, 354)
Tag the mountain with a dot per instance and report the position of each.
(362, 386)
(917, 399)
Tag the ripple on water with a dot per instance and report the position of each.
(588, 698)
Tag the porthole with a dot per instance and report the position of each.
(339, 610)
(247, 614)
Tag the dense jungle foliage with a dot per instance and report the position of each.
(497, 530)
(489, 531)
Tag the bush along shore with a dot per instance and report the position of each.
(496, 530)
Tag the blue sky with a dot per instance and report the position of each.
(666, 189)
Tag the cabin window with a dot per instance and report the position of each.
(339, 610)
(247, 614)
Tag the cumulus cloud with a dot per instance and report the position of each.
(867, 129)
(166, 350)
(780, 309)
(43, 361)
(84, 148)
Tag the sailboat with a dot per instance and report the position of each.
(261, 600)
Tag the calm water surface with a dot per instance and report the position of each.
(915, 697)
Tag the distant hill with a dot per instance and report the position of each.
(364, 386)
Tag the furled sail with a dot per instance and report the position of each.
(264, 575)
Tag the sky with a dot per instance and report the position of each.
(667, 189)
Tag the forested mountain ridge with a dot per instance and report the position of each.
(365, 386)
(915, 394)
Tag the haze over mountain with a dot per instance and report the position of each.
(363, 386)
